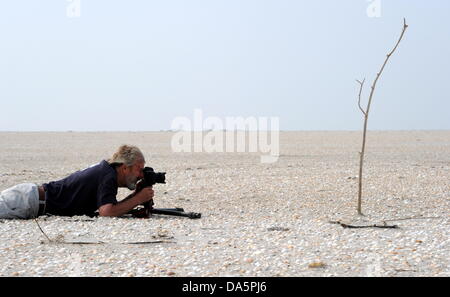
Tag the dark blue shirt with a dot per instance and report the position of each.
(82, 192)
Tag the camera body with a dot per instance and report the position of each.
(151, 177)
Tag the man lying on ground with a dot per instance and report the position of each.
(83, 192)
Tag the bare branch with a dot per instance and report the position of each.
(405, 26)
(366, 113)
(361, 85)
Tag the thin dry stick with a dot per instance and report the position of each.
(412, 218)
(49, 240)
(98, 242)
(366, 113)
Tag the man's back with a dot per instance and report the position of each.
(82, 192)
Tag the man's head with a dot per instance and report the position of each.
(129, 162)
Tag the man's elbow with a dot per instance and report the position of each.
(107, 210)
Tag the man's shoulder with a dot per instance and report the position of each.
(105, 169)
(102, 166)
(99, 171)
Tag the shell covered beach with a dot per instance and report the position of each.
(258, 219)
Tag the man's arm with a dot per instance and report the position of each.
(137, 190)
(124, 206)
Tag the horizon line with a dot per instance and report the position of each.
(210, 130)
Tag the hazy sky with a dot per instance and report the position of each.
(136, 65)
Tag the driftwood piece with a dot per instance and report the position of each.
(384, 226)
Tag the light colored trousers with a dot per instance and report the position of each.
(20, 202)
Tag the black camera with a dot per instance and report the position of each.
(151, 177)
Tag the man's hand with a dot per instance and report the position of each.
(139, 186)
(124, 206)
(144, 195)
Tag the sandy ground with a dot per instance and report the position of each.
(257, 219)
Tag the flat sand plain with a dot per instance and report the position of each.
(257, 219)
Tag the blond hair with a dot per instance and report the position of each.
(128, 155)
